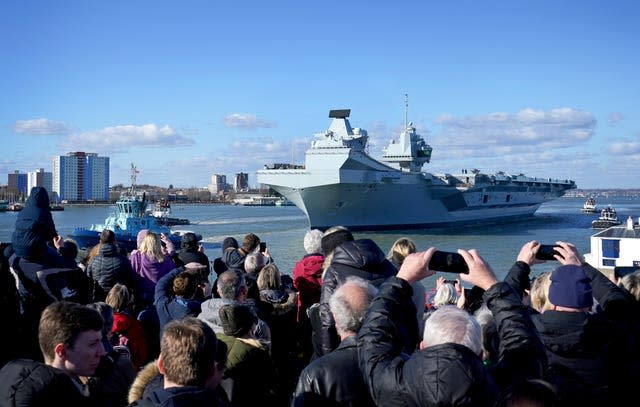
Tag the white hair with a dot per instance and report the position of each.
(452, 324)
(313, 241)
(446, 295)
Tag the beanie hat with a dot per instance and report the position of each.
(335, 239)
(570, 287)
(229, 242)
(237, 320)
(189, 241)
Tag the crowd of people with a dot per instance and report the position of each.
(350, 325)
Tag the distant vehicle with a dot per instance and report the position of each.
(608, 217)
(590, 206)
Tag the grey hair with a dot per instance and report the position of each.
(452, 324)
(349, 310)
(313, 241)
(631, 283)
(490, 338)
(254, 262)
(446, 295)
(230, 284)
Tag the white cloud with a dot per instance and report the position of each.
(615, 117)
(40, 126)
(246, 121)
(624, 147)
(120, 138)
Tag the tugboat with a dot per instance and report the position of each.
(608, 217)
(129, 219)
(162, 212)
(590, 206)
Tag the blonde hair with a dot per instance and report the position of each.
(151, 247)
(269, 277)
(119, 297)
(401, 249)
(539, 292)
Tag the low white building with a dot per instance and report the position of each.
(616, 246)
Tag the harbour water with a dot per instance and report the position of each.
(283, 229)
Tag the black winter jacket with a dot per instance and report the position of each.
(446, 374)
(333, 380)
(361, 258)
(28, 383)
(108, 268)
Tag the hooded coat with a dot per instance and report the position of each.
(307, 279)
(361, 258)
(34, 226)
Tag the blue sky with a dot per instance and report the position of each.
(184, 89)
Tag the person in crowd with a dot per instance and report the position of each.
(108, 267)
(150, 264)
(109, 385)
(592, 355)
(446, 294)
(70, 337)
(232, 288)
(219, 266)
(332, 238)
(281, 317)
(448, 368)
(361, 258)
(539, 292)
(250, 378)
(307, 280)
(68, 249)
(335, 379)
(175, 296)
(400, 249)
(191, 251)
(167, 245)
(490, 338)
(33, 249)
(234, 258)
(253, 264)
(126, 330)
(187, 365)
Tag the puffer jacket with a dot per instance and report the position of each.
(334, 379)
(28, 383)
(234, 258)
(361, 258)
(445, 374)
(307, 279)
(108, 268)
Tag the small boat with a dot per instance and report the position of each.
(56, 207)
(15, 207)
(3, 205)
(590, 206)
(162, 212)
(608, 217)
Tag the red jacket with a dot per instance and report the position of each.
(130, 327)
(307, 279)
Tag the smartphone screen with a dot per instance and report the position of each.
(263, 247)
(546, 252)
(448, 262)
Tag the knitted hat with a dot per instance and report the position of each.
(335, 239)
(570, 287)
(237, 320)
(229, 242)
(189, 241)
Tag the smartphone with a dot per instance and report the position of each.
(263, 247)
(546, 252)
(621, 271)
(448, 262)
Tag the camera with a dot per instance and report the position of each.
(621, 271)
(546, 252)
(448, 262)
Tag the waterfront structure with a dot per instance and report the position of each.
(242, 182)
(41, 178)
(218, 184)
(18, 182)
(617, 246)
(81, 177)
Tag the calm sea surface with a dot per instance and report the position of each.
(283, 228)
